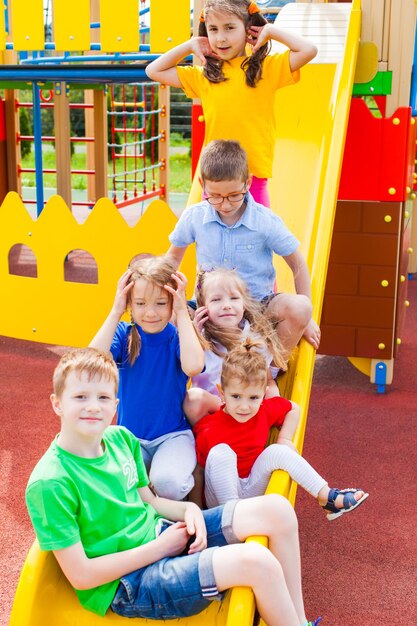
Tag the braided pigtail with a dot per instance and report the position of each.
(252, 66)
(134, 342)
(213, 70)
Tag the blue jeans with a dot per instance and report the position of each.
(177, 586)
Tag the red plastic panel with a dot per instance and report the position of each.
(376, 154)
(198, 131)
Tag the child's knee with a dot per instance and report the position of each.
(280, 512)
(301, 309)
(293, 308)
(171, 486)
(259, 561)
(278, 455)
(220, 454)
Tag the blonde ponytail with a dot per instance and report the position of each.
(246, 363)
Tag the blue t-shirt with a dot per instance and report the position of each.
(151, 392)
(247, 246)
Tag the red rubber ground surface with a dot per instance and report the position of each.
(359, 570)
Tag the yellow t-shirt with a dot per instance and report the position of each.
(233, 110)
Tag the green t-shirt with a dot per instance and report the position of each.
(95, 501)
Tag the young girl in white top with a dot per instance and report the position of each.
(232, 446)
(225, 315)
(237, 91)
(155, 360)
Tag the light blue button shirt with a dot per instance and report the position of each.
(247, 246)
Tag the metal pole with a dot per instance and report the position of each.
(37, 133)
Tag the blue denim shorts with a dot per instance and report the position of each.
(178, 586)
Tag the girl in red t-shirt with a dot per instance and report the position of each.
(231, 442)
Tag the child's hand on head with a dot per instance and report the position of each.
(258, 36)
(122, 291)
(179, 301)
(200, 318)
(201, 48)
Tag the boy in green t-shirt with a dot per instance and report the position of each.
(124, 548)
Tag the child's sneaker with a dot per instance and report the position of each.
(315, 622)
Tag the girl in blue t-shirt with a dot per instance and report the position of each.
(155, 360)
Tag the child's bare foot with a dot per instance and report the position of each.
(340, 501)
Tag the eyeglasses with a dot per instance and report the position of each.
(233, 197)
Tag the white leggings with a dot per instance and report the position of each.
(222, 481)
(170, 461)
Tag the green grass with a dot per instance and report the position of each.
(176, 139)
(180, 173)
(180, 169)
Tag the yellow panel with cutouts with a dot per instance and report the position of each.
(63, 312)
(119, 25)
(170, 24)
(72, 25)
(27, 24)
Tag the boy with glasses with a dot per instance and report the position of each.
(231, 230)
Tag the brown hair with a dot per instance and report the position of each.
(157, 271)
(252, 66)
(260, 324)
(88, 361)
(224, 159)
(246, 363)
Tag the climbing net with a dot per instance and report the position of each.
(134, 138)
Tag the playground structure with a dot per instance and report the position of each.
(135, 110)
(366, 291)
(312, 122)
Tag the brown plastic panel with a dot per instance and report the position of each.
(342, 279)
(373, 217)
(348, 217)
(371, 278)
(337, 340)
(358, 311)
(368, 340)
(364, 249)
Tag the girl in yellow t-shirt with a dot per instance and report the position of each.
(237, 91)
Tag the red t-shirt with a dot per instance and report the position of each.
(246, 439)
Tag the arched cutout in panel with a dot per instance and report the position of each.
(22, 261)
(80, 267)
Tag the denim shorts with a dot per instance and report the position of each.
(178, 586)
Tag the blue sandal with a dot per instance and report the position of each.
(349, 502)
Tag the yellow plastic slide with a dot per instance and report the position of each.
(312, 119)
